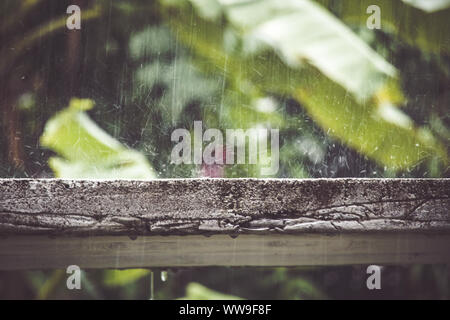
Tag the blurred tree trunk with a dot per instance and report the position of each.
(11, 121)
(73, 55)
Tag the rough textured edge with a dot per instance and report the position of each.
(231, 206)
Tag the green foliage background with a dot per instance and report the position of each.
(102, 103)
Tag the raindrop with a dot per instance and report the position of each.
(152, 287)
(163, 276)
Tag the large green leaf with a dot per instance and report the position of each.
(367, 122)
(87, 151)
(418, 22)
(302, 32)
(429, 5)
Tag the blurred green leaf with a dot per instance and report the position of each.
(87, 151)
(195, 291)
(117, 278)
(301, 31)
(429, 5)
(372, 126)
(428, 30)
(305, 289)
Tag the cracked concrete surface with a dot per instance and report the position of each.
(231, 206)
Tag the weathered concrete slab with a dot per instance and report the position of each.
(238, 206)
(175, 223)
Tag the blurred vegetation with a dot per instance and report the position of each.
(102, 102)
(345, 282)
